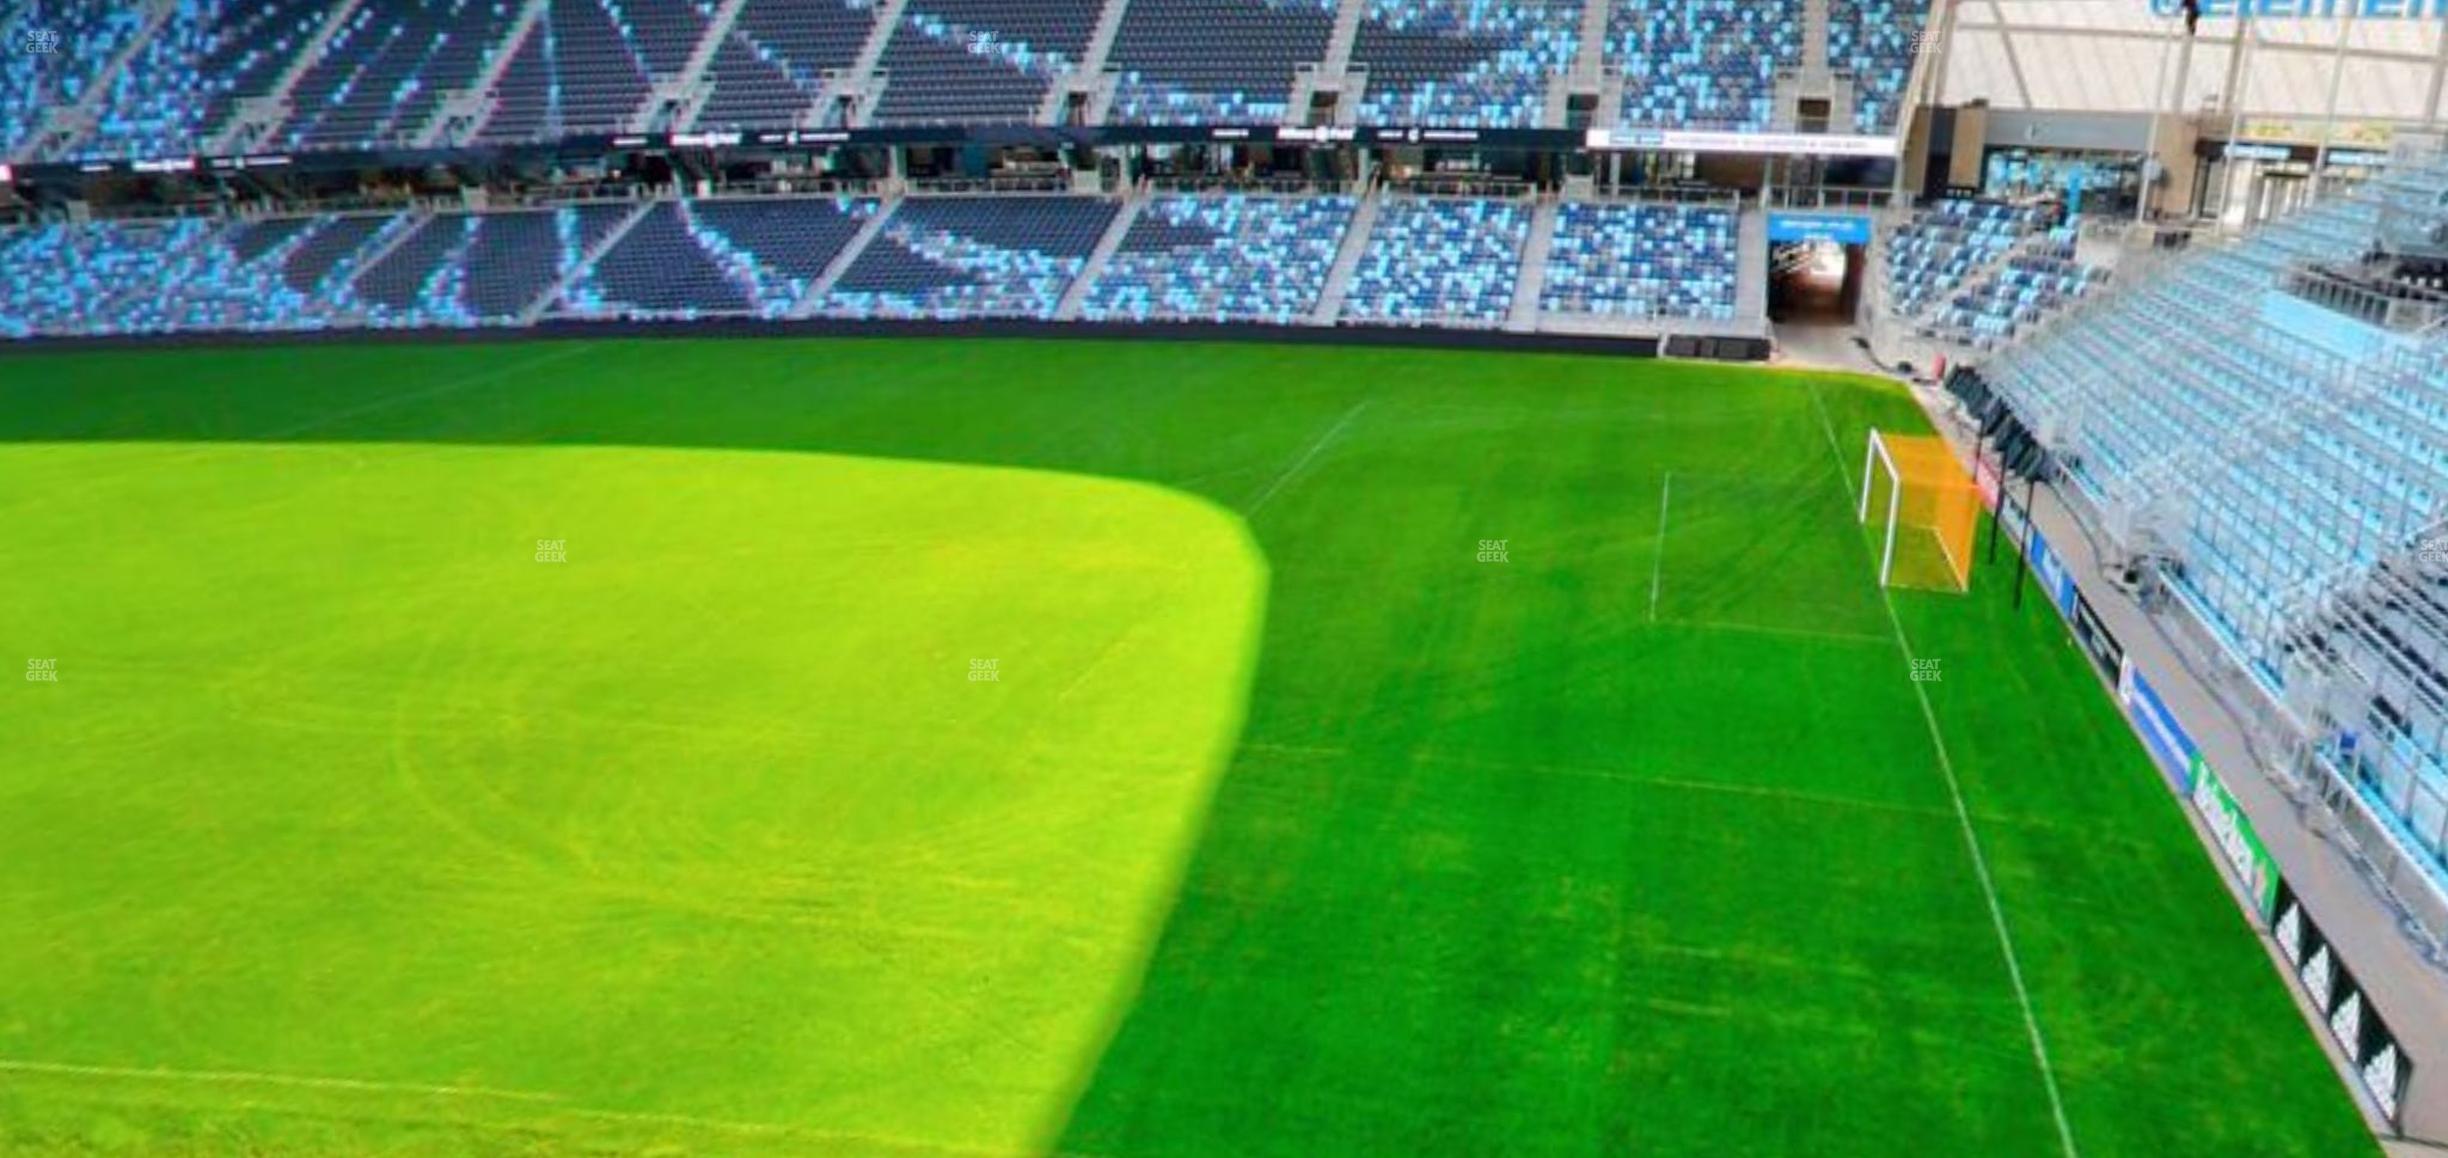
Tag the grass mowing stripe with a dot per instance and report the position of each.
(1298, 464)
(1608, 775)
(1963, 815)
(563, 353)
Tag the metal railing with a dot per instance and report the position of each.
(2397, 308)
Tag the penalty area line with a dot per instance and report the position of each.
(1657, 563)
(1301, 463)
(251, 1077)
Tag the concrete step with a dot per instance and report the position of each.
(261, 115)
(1074, 297)
(1085, 77)
(1533, 279)
(842, 261)
(1347, 261)
(476, 102)
(1346, 34)
(1751, 264)
(586, 261)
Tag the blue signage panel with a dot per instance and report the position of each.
(2055, 581)
(1841, 228)
(2165, 738)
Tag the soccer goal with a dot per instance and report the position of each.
(1930, 508)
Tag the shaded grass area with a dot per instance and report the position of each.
(1634, 841)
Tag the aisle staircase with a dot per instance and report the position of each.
(1347, 260)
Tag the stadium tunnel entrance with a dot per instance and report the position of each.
(1815, 281)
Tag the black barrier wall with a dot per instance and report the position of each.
(1712, 349)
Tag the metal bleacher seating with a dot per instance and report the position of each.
(1197, 61)
(2028, 288)
(770, 70)
(581, 72)
(1222, 258)
(1642, 260)
(382, 76)
(980, 61)
(1464, 62)
(401, 73)
(1442, 261)
(2296, 493)
(716, 258)
(972, 257)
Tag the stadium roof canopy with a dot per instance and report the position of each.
(2102, 56)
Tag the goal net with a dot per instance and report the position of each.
(1927, 509)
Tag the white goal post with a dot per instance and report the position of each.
(1929, 508)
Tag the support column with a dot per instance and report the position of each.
(2158, 113)
(2239, 77)
(2337, 80)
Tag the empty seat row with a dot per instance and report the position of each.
(1948, 242)
(1222, 258)
(1464, 62)
(972, 257)
(717, 258)
(1710, 64)
(381, 76)
(1642, 260)
(1202, 61)
(1440, 261)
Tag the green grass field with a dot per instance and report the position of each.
(1286, 824)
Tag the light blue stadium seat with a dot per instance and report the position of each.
(1483, 63)
(1442, 261)
(1659, 260)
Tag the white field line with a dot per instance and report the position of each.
(1837, 451)
(252, 1078)
(565, 352)
(1780, 632)
(552, 1104)
(1972, 844)
(1298, 464)
(1980, 868)
(1657, 565)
